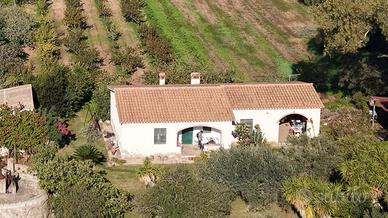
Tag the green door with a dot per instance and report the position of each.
(187, 136)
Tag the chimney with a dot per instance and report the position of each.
(162, 79)
(195, 78)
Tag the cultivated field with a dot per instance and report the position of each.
(256, 38)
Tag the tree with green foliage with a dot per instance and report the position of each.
(51, 89)
(253, 173)
(89, 152)
(100, 102)
(366, 164)
(311, 197)
(346, 24)
(22, 129)
(247, 136)
(47, 43)
(60, 175)
(181, 193)
(128, 58)
(317, 157)
(18, 25)
(78, 201)
(80, 87)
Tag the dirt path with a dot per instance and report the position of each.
(97, 34)
(128, 35)
(57, 13)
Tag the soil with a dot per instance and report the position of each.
(259, 14)
(57, 13)
(128, 37)
(97, 30)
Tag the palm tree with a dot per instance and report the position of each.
(310, 197)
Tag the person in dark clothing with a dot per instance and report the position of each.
(200, 140)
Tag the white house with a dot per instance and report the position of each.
(159, 119)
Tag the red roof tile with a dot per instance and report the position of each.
(200, 103)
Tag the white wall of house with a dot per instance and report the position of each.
(268, 120)
(138, 138)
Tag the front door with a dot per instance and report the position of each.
(187, 136)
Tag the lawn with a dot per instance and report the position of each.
(77, 126)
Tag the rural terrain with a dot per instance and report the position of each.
(259, 40)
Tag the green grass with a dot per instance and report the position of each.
(230, 42)
(77, 125)
(174, 26)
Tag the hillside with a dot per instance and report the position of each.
(256, 38)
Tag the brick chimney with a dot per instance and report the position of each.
(195, 78)
(162, 79)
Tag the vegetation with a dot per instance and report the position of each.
(253, 173)
(21, 129)
(57, 176)
(180, 193)
(89, 152)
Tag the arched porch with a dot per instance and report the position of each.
(292, 124)
(188, 139)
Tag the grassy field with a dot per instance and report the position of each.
(257, 38)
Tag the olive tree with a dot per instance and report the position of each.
(253, 173)
(181, 193)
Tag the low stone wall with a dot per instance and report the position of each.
(31, 202)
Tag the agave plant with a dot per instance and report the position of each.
(89, 152)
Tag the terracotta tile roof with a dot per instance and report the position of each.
(172, 104)
(18, 95)
(273, 96)
(196, 103)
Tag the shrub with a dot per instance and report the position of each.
(10, 56)
(317, 157)
(51, 89)
(57, 176)
(360, 102)
(148, 173)
(75, 41)
(180, 193)
(343, 122)
(253, 173)
(78, 201)
(132, 10)
(88, 152)
(128, 59)
(247, 136)
(101, 102)
(157, 46)
(18, 25)
(73, 14)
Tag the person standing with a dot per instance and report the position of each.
(200, 140)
